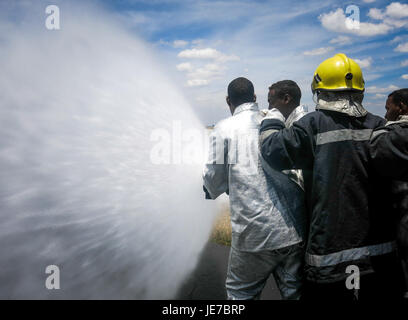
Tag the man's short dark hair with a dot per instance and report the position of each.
(240, 91)
(399, 96)
(288, 87)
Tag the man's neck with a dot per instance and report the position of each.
(286, 111)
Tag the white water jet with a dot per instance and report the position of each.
(77, 186)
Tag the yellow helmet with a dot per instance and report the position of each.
(339, 73)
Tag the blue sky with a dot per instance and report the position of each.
(205, 44)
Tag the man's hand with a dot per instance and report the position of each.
(273, 114)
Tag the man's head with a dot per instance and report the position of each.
(397, 104)
(285, 96)
(240, 91)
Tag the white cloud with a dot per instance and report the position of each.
(341, 40)
(372, 76)
(197, 82)
(368, 1)
(179, 43)
(374, 89)
(376, 14)
(225, 58)
(392, 15)
(338, 22)
(207, 72)
(203, 75)
(197, 42)
(396, 39)
(404, 63)
(207, 53)
(397, 10)
(395, 22)
(174, 44)
(318, 51)
(364, 63)
(380, 96)
(403, 47)
(185, 66)
(404, 76)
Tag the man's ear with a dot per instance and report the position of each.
(287, 99)
(254, 97)
(228, 101)
(404, 108)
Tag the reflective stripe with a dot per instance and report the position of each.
(343, 135)
(376, 133)
(349, 254)
(265, 134)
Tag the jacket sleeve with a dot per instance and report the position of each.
(389, 151)
(290, 148)
(215, 175)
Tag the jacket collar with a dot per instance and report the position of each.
(253, 106)
(400, 119)
(296, 114)
(403, 118)
(341, 102)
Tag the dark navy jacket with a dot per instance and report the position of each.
(350, 223)
(389, 154)
(389, 149)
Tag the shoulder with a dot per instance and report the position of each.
(397, 124)
(394, 131)
(311, 119)
(223, 124)
(375, 121)
(225, 128)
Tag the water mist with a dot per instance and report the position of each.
(78, 187)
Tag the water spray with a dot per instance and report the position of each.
(78, 187)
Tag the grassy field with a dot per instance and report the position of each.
(221, 232)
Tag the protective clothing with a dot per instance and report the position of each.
(248, 272)
(295, 115)
(267, 210)
(389, 149)
(339, 73)
(389, 154)
(345, 102)
(349, 222)
(400, 202)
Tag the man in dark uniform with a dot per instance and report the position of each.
(397, 116)
(352, 233)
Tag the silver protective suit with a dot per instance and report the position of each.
(267, 210)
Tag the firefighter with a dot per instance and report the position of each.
(389, 151)
(351, 246)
